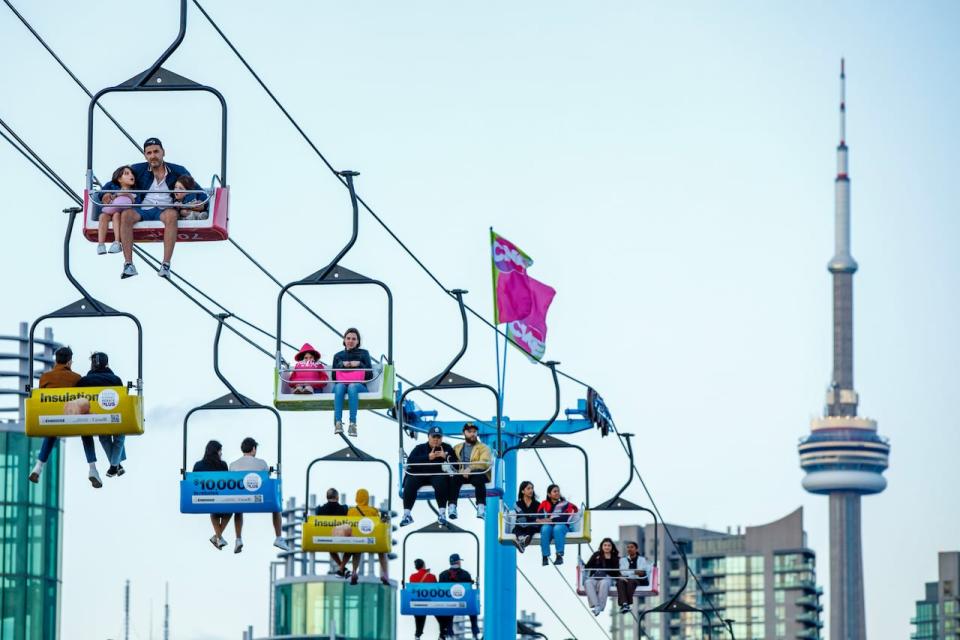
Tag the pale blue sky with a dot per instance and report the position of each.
(670, 170)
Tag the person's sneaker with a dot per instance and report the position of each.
(352, 430)
(222, 542)
(558, 559)
(527, 539)
(481, 511)
(280, 543)
(518, 543)
(115, 248)
(625, 609)
(34, 477)
(385, 580)
(354, 579)
(238, 547)
(442, 519)
(95, 479)
(128, 271)
(546, 560)
(338, 428)
(215, 541)
(101, 249)
(452, 512)
(408, 519)
(120, 470)
(164, 270)
(111, 471)
(597, 611)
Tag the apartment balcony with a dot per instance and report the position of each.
(809, 634)
(809, 618)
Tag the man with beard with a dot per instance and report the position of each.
(474, 468)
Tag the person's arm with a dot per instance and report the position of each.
(484, 457)
(419, 454)
(366, 364)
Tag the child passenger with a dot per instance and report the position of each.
(118, 201)
(189, 205)
(308, 374)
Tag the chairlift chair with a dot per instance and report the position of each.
(440, 598)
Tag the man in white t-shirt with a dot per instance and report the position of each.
(250, 462)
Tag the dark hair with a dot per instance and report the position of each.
(551, 488)
(333, 494)
(469, 425)
(187, 181)
(211, 455)
(615, 552)
(627, 543)
(99, 361)
(119, 172)
(63, 355)
(419, 564)
(353, 330)
(524, 485)
(248, 445)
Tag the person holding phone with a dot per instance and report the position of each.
(425, 466)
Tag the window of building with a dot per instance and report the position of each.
(779, 596)
(756, 598)
(756, 581)
(736, 564)
(780, 612)
(781, 630)
(756, 564)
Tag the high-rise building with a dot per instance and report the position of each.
(30, 514)
(843, 456)
(764, 579)
(938, 614)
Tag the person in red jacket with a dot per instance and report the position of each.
(557, 514)
(422, 574)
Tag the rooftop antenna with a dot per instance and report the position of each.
(166, 612)
(126, 611)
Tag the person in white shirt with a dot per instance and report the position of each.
(250, 462)
(635, 570)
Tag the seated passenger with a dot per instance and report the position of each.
(351, 370)
(332, 507)
(213, 461)
(100, 375)
(600, 571)
(61, 376)
(525, 525)
(117, 202)
(250, 462)
(636, 571)
(308, 375)
(425, 466)
(456, 574)
(474, 469)
(364, 509)
(422, 574)
(556, 513)
(189, 206)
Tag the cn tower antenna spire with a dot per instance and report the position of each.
(843, 103)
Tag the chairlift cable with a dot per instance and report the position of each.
(366, 206)
(580, 601)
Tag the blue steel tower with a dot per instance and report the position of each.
(843, 456)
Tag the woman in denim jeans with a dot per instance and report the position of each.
(351, 370)
(557, 512)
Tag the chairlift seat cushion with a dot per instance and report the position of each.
(83, 411)
(379, 393)
(440, 599)
(230, 492)
(344, 534)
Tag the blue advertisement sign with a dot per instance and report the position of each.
(229, 492)
(440, 599)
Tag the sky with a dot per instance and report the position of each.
(669, 169)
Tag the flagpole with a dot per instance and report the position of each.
(496, 330)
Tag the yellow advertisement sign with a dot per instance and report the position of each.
(83, 411)
(346, 533)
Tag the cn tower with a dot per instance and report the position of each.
(843, 456)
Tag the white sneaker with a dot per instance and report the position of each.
(215, 541)
(115, 248)
(164, 270)
(128, 271)
(352, 430)
(280, 543)
(101, 249)
(238, 547)
(452, 512)
(221, 542)
(338, 428)
(94, 477)
(481, 511)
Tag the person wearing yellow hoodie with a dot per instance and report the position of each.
(363, 508)
(473, 465)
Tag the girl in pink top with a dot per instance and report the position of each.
(118, 201)
(308, 375)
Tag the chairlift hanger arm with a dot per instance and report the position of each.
(349, 454)
(142, 80)
(532, 442)
(434, 527)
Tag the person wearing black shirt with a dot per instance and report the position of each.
(456, 574)
(332, 507)
(526, 525)
(601, 570)
(212, 461)
(425, 466)
(100, 375)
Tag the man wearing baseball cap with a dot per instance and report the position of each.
(250, 462)
(157, 178)
(474, 468)
(425, 466)
(456, 574)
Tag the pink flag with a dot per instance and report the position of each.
(519, 300)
